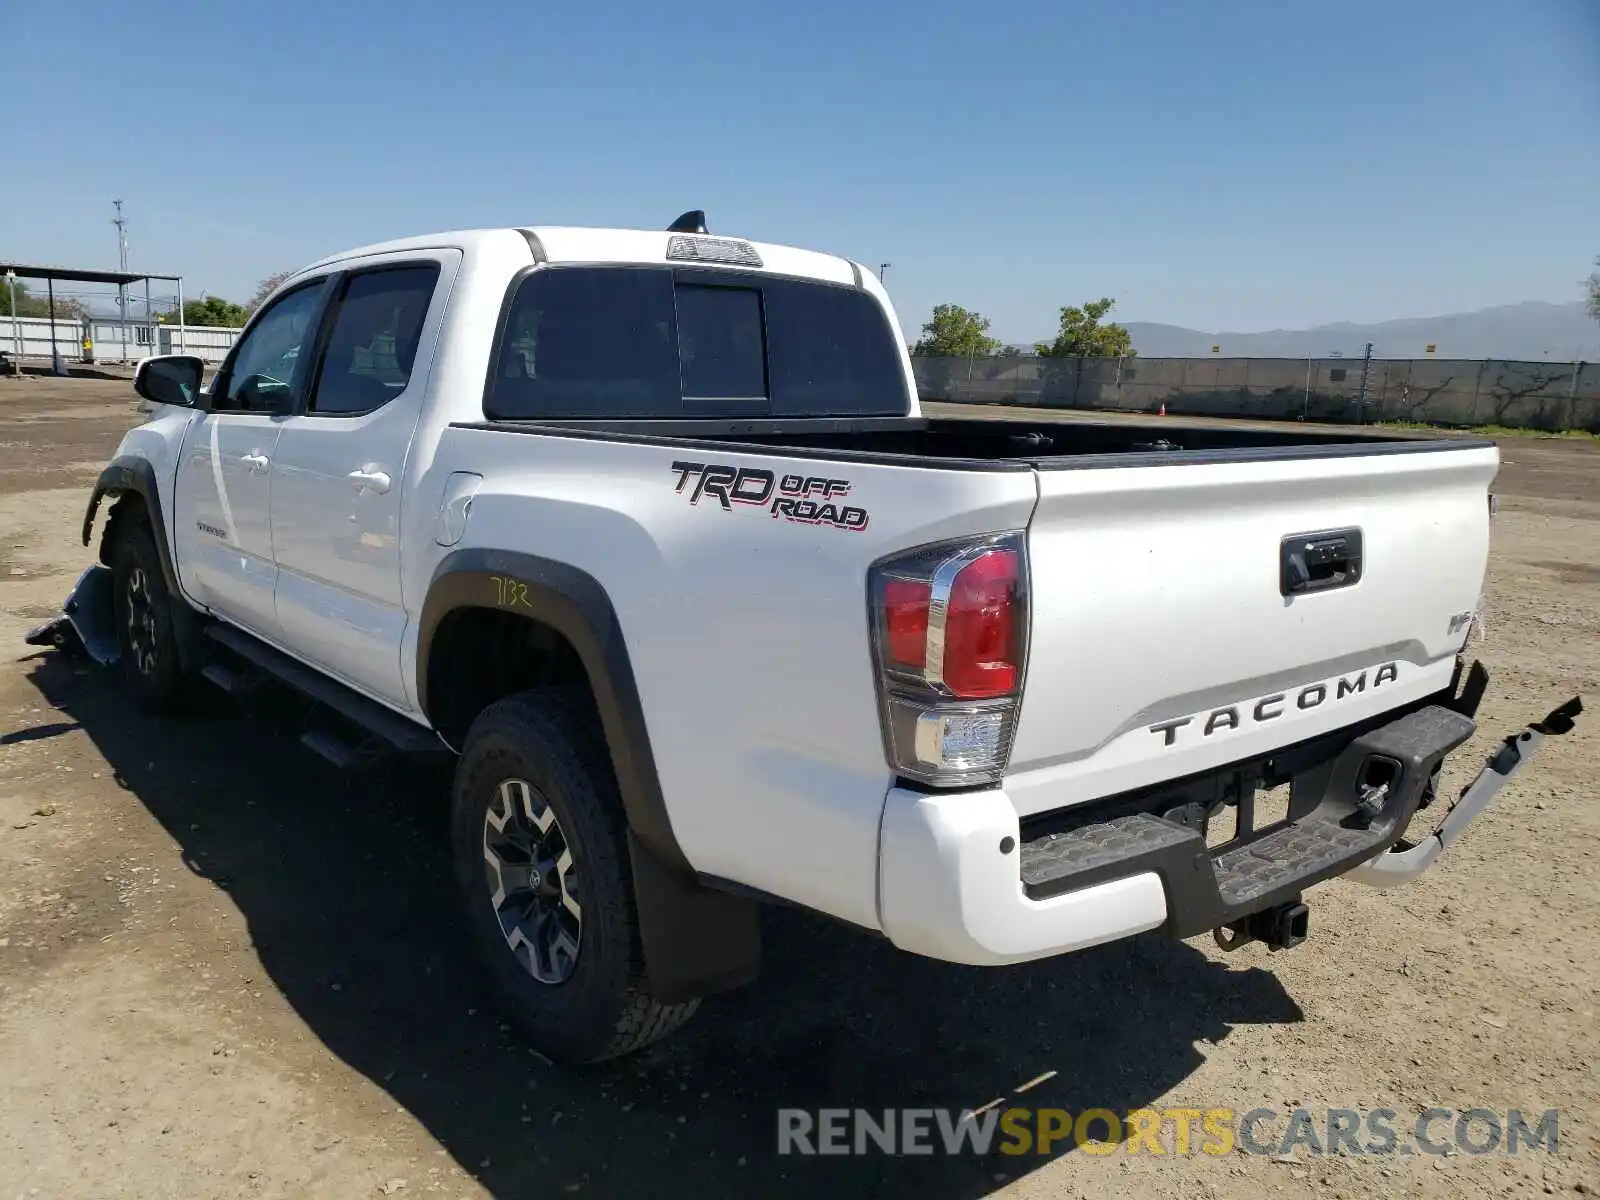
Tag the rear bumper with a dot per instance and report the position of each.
(1404, 861)
(948, 890)
(962, 880)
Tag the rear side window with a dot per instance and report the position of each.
(649, 342)
(377, 325)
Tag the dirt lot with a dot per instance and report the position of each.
(227, 970)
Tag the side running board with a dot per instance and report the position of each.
(387, 726)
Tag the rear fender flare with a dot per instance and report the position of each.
(573, 603)
(696, 940)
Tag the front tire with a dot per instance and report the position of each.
(543, 871)
(146, 635)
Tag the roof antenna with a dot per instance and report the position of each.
(693, 221)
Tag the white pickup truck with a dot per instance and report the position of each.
(649, 531)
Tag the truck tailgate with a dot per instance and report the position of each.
(1166, 640)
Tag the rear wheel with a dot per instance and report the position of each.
(143, 610)
(542, 867)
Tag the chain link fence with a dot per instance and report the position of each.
(1460, 392)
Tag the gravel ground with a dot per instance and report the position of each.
(227, 970)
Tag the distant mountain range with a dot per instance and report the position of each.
(1533, 330)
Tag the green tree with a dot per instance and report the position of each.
(1591, 285)
(210, 310)
(955, 333)
(1083, 336)
(30, 305)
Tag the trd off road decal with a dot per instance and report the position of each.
(804, 499)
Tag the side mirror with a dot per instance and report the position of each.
(170, 379)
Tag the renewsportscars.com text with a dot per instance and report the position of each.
(1165, 1131)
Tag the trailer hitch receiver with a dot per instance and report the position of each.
(1281, 927)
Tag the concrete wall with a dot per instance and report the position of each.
(29, 337)
(1536, 395)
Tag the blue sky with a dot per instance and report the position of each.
(1237, 165)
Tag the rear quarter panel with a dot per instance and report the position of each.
(748, 633)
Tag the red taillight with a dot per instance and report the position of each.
(980, 659)
(951, 636)
(905, 621)
(964, 640)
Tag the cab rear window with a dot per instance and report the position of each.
(633, 342)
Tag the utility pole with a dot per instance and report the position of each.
(16, 328)
(883, 267)
(57, 367)
(121, 222)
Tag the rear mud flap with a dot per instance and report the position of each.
(87, 622)
(1407, 860)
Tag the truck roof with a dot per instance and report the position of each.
(567, 243)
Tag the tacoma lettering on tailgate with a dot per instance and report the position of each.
(1270, 708)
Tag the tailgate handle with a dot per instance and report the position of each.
(1319, 562)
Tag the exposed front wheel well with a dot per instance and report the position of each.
(126, 508)
(135, 515)
(481, 655)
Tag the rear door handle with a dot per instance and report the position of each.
(1319, 562)
(368, 479)
(256, 462)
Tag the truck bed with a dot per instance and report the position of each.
(981, 444)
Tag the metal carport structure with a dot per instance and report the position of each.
(14, 271)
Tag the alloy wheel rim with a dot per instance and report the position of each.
(532, 882)
(141, 622)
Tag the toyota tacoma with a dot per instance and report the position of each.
(647, 532)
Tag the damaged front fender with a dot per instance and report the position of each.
(87, 621)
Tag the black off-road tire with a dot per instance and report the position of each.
(550, 740)
(142, 607)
